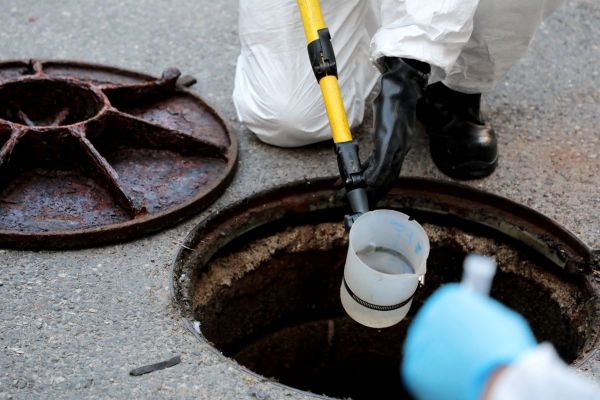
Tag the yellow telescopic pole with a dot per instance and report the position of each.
(313, 22)
(322, 59)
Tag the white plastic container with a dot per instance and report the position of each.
(478, 273)
(387, 257)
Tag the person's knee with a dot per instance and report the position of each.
(286, 126)
(288, 111)
(282, 119)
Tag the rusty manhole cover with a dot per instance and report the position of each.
(91, 154)
(260, 281)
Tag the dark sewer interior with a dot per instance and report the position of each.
(272, 304)
(43, 102)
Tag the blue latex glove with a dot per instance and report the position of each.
(457, 341)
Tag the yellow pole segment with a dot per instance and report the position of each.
(338, 121)
(312, 19)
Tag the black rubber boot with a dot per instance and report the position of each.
(462, 145)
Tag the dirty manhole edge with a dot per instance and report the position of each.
(219, 229)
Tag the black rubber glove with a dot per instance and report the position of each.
(402, 85)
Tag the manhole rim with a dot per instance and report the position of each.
(141, 226)
(200, 241)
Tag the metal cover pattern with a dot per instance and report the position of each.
(93, 154)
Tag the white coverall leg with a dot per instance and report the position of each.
(276, 94)
(470, 44)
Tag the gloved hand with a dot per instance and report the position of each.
(457, 340)
(402, 85)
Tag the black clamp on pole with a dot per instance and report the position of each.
(354, 182)
(322, 56)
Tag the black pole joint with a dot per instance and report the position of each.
(322, 56)
(351, 173)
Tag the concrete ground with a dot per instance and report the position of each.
(74, 323)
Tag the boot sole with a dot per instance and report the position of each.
(469, 170)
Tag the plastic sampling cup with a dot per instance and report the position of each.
(387, 256)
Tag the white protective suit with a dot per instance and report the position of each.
(470, 44)
(541, 374)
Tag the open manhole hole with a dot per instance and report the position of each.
(262, 278)
(91, 154)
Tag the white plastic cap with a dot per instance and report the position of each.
(478, 273)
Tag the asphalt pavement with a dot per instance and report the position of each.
(74, 323)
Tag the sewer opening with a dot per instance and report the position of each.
(44, 102)
(270, 300)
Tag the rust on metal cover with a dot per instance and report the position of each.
(92, 154)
